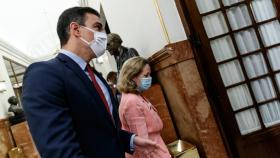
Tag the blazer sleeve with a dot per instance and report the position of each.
(136, 120)
(47, 113)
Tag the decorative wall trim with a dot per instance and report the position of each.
(10, 51)
(163, 26)
(171, 55)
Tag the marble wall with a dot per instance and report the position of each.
(176, 70)
(156, 97)
(24, 140)
(6, 140)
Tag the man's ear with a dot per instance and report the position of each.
(74, 29)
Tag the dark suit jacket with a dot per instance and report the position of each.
(66, 116)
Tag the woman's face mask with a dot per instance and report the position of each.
(144, 80)
(98, 44)
(145, 83)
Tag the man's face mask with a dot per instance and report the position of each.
(98, 44)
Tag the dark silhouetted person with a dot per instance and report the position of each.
(18, 115)
(121, 53)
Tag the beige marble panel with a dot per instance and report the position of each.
(156, 97)
(201, 110)
(24, 140)
(178, 75)
(176, 100)
(6, 141)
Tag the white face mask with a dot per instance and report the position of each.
(98, 44)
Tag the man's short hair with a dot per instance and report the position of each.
(113, 37)
(112, 76)
(75, 14)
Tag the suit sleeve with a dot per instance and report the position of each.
(48, 116)
(126, 136)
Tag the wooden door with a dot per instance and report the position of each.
(239, 52)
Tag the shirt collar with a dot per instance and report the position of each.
(75, 57)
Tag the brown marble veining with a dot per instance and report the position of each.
(6, 140)
(24, 140)
(156, 97)
(178, 75)
(201, 110)
(177, 102)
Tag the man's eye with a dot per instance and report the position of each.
(99, 28)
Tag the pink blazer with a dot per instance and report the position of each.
(139, 116)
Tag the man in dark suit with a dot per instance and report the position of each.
(69, 107)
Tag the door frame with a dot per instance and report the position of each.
(216, 93)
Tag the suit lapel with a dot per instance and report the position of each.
(115, 110)
(76, 69)
(87, 82)
(113, 101)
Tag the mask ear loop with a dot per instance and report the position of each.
(93, 31)
(88, 43)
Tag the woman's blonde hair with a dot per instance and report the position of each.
(130, 69)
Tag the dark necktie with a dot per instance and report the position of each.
(99, 90)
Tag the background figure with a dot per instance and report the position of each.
(18, 115)
(136, 113)
(121, 53)
(112, 79)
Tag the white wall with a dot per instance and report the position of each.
(172, 20)
(109, 64)
(138, 24)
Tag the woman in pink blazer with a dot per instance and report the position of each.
(136, 113)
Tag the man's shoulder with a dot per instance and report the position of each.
(48, 63)
(40, 67)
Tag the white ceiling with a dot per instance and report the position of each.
(30, 25)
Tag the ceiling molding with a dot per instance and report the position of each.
(7, 50)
